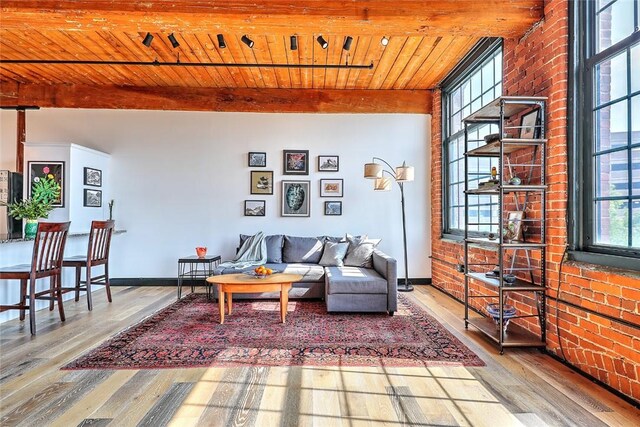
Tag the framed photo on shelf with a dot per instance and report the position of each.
(92, 198)
(93, 177)
(530, 125)
(513, 230)
(261, 182)
(257, 159)
(295, 162)
(331, 187)
(296, 198)
(254, 207)
(333, 208)
(51, 170)
(328, 163)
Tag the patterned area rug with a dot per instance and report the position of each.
(187, 334)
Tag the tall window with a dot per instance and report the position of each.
(466, 91)
(608, 125)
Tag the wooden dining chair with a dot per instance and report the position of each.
(46, 261)
(97, 254)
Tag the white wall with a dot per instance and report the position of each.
(179, 179)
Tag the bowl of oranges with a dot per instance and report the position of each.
(261, 272)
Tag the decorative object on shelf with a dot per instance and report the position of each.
(333, 208)
(491, 236)
(254, 207)
(491, 138)
(508, 312)
(111, 209)
(509, 278)
(93, 177)
(257, 159)
(92, 198)
(400, 175)
(296, 198)
(513, 230)
(331, 187)
(44, 192)
(494, 174)
(530, 125)
(328, 163)
(295, 162)
(201, 251)
(50, 170)
(515, 180)
(261, 182)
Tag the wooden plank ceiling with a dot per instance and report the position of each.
(426, 39)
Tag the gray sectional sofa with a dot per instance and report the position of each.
(370, 286)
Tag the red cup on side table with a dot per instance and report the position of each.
(201, 251)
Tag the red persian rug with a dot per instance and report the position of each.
(187, 334)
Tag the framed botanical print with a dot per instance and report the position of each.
(295, 162)
(296, 198)
(93, 177)
(257, 159)
(49, 170)
(331, 187)
(254, 207)
(333, 208)
(328, 163)
(92, 198)
(261, 182)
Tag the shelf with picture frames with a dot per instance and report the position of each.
(517, 191)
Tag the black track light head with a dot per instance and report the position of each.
(294, 42)
(347, 43)
(147, 40)
(173, 40)
(246, 40)
(322, 42)
(221, 43)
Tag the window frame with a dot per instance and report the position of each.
(582, 212)
(472, 62)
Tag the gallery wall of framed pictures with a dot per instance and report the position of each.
(92, 198)
(295, 195)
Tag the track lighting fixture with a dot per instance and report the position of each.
(147, 40)
(384, 41)
(173, 40)
(246, 40)
(221, 43)
(294, 42)
(347, 43)
(322, 42)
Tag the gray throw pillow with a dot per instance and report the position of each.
(274, 247)
(302, 249)
(360, 253)
(333, 254)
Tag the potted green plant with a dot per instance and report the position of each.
(43, 193)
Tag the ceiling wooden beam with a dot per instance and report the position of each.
(497, 18)
(260, 100)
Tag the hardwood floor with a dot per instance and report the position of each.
(522, 387)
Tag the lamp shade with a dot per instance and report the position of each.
(405, 173)
(372, 170)
(382, 184)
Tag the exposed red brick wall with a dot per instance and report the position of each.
(537, 64)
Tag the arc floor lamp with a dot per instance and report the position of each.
(400, 175)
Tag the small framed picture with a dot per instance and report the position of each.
(47, 170)
(261, 182)
(92, 198)
(331, 187)
(254, 207)
(257, 159)
(530, 125)
(296, 198)
(333, 208)
(513, 230)
(93, 177)
(328, 163)
(296, 162)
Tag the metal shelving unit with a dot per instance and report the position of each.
(529, 196)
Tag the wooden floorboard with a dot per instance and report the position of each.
(521, 387)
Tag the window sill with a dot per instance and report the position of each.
(621, 264)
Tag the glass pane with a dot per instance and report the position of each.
(498, 68)
(611, 126)
(466, 93)
(611, 79)
(612, 222)
(453, 152)
(612, 174)
(455, 100)
(454, 195)
(635, 225)
(487, 75)
(635, 66)
(453, 218)
(614, 23)
(456, 124)
(635, 120)
(487, 97)
(635, 172)
(476, 85)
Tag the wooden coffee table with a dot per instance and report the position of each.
(242, 283)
